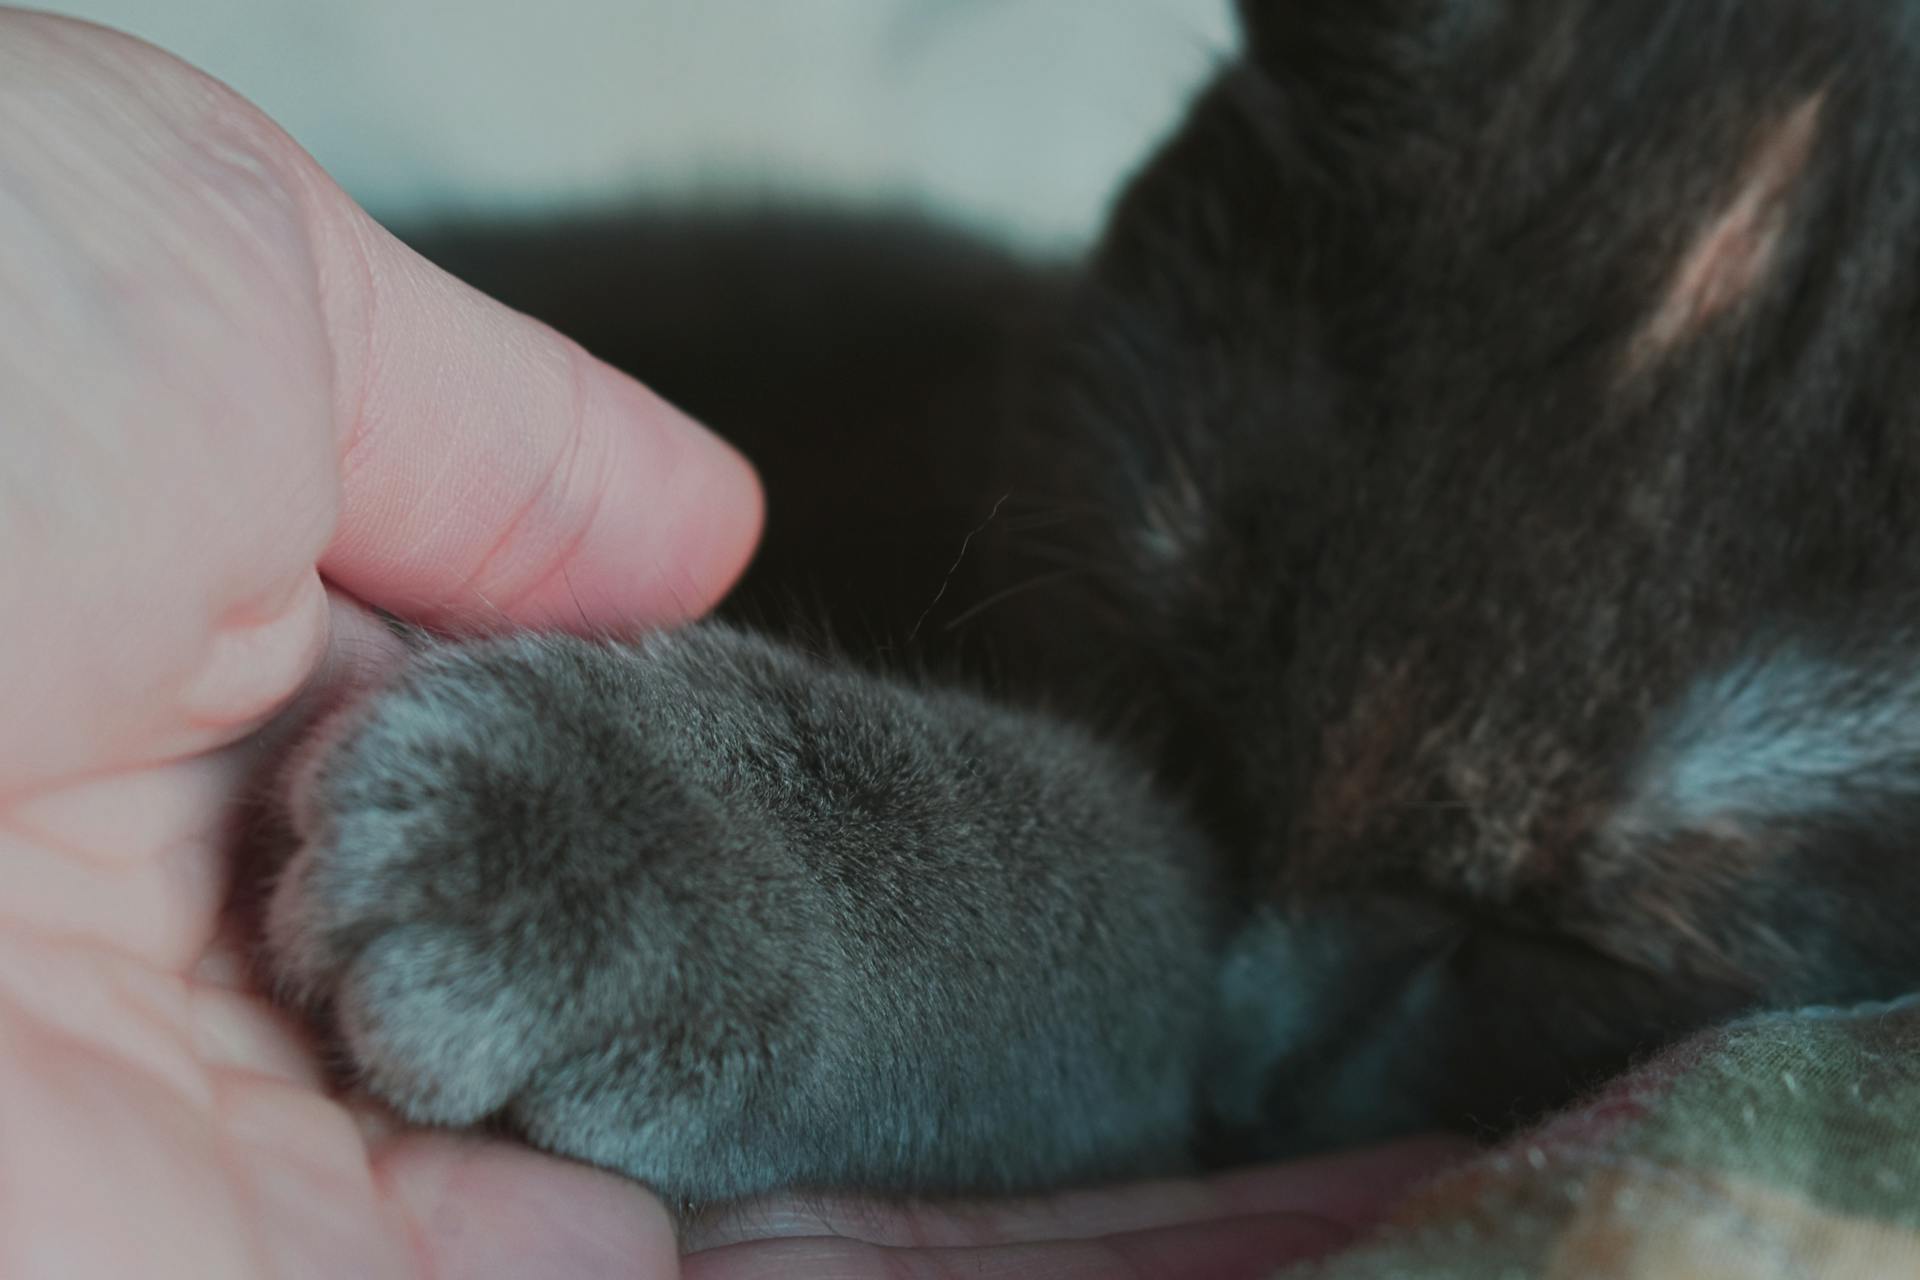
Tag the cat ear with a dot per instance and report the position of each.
(1327, 41)
(1353, 73)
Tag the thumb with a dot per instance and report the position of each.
(492, 470)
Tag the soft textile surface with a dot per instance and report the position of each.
(1782, 1146)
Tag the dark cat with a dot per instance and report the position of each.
(1456, 541)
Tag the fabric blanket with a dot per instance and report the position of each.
(1782, 1146)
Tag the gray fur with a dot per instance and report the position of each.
(707, 911)
(1784, 732)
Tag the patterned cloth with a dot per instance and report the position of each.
(1782, 1146)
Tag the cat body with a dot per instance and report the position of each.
(1425, 614)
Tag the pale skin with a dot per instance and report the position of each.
(233, 412)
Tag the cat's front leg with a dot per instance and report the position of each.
(726, 917)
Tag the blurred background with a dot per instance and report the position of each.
(1014, 117)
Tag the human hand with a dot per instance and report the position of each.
(232, 406)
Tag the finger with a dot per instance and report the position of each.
(200, 333)
(479, 1210)
(495, 471)
(1353, 1189)
(1231, 1249)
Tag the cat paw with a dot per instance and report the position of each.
(724, 918)
(437, 836)
(520, 896)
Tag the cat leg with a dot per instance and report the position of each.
(726, 917)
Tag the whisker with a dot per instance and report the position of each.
(955, 567)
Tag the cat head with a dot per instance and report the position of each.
(1475, 389)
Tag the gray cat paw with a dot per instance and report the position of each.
(725, 918)
(440, 844)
